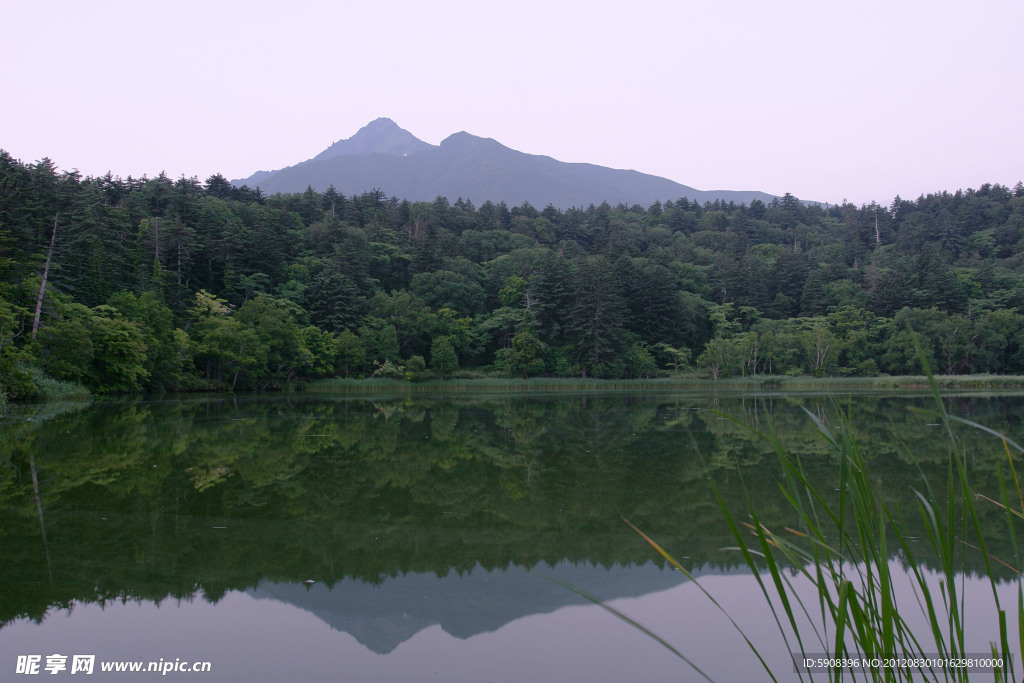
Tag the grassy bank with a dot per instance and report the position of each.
(484, 385)
(31, 384)
(760, 383)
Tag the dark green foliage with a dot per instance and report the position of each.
(350, 354)
(379, 341)
(443, 360)
(333, 301)
(166, 347)
(278, 351)
(597, 314)
(445, 289)
(214, 286)
(551, 290)
(119, 352)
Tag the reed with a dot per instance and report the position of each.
(760, 383)
(51, 389)
(840, 544)
(484, 385)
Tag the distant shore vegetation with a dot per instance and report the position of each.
(111, 285)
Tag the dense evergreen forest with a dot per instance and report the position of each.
(160, 284)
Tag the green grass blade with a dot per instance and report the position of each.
(632, 622)
(700, 587)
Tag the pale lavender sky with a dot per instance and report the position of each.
(827, 100)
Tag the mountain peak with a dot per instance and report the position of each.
(380, 136)
(465, 140)
(379, 124)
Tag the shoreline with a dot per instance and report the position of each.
(770, 384)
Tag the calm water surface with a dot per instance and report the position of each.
(322, 538)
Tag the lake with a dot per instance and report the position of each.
(432, 537)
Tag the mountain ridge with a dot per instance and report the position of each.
(384, 156)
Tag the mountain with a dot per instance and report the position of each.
(383, 616)
(384, 156)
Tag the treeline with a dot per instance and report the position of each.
(156, 283)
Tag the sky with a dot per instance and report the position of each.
(857, 101)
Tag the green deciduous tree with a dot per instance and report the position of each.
(167, 356)
(380, 341)
(443, 359)
(274, 323)
(522, 357)
(820, 347)
(412, 318)
(639, 361)
(350, 353)
(119, 352)
(720, 358)
(222, 350)
(446, 289)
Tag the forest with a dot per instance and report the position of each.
(153, 284)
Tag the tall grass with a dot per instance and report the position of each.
(539, 384)
(840, 544)
(47, 388)
(950, 382)
(51, 389)
(755, 383)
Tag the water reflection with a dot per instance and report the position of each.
(390, 519)
(383, 616)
